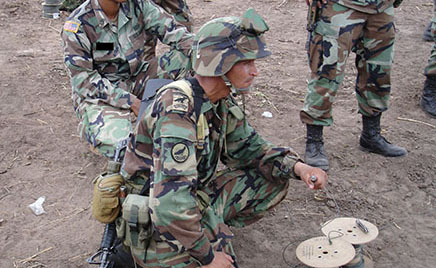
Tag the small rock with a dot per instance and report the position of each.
(267, 114)
(331, 204)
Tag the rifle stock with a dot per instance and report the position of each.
(312, 15)
(106, 247)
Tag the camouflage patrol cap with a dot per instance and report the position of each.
(222, 42)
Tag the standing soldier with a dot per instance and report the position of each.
(428, 100)
(170, 167)
(366, 28)
(109, 51)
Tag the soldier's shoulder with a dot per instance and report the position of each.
(176, 99)
(82, 15)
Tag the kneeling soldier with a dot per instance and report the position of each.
(179, 208)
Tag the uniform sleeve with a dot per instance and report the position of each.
(174, 209)
(164, 26)
(245, 148)
(87, 84)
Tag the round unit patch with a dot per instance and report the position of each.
(180, 152)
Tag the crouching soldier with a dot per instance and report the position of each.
(179, 207)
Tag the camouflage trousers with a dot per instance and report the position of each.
(430, 69)
(179, 9)
(104, 126)
(237, 198)
(339, 31)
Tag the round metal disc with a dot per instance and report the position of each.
(350, 229)
(317, 252)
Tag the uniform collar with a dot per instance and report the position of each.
(198, 92)
(123, 15)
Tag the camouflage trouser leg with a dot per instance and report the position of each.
(430, 69)
(104, 126)
(179, 9)
(340, 31)
(238, 198)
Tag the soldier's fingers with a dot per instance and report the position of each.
(229, 258)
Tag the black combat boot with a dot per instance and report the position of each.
(315, 154)
(428, 100)
(426, 36)
(372, 141)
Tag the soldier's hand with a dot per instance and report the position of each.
(221, 260)
(315, 178)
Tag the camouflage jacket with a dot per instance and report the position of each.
(166, 153)
(107, 61)
(366, 6)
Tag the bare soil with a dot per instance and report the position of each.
(41, 154)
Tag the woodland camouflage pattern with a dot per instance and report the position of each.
(165, 153)
(191, 205)
(235, 39)
(109, 64)
(430, 69)
(340, 31)
(178, 8)
(366, 6)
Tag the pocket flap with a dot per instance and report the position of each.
(135, 209)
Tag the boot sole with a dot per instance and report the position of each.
(376, 152)
(325, 168)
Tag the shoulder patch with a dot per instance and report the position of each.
(180, 152)
(180, 102)
(71, 26)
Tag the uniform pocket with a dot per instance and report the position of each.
(105, 203)
(135, 227)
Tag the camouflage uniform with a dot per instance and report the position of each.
(365, 27)
(191, 204)
(109, 63)
(178, 8)
(430, 69)
(428, 99)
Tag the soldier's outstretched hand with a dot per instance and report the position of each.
(315, 178)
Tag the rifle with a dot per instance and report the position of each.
(106, 247)
(312, 15)
(107, 241)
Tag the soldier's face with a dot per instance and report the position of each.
(242, 73)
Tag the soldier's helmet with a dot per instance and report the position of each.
(222, 42)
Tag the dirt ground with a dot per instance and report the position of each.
(41, 154)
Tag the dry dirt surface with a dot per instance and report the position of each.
(41, 154)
